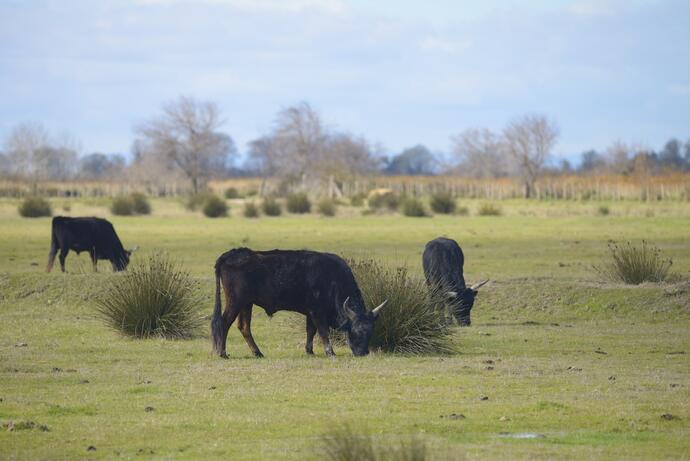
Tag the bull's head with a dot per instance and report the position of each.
(121, 263)
(360, 327)
(463, 301)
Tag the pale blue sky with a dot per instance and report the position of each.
(397, 72)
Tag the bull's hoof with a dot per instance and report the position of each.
(258, 355)
(309, 352)
(223, 355)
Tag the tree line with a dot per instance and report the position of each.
(185, 141)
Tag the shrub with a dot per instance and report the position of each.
(345, 444)
(231, 193)
(271, 207)
(298, 203)
(488, 209)
(155, 298)
(603, 210)
(357, 200)
(443, 203)
(327, 207)
(633, 265)
(414, 321)
(140, 203)
(413, 207)
(35, 207)
(122, 206)
(251, 210)
(389, 200)
(462, 211)
(215, 207)
(196, 201)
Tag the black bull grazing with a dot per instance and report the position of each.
(95, 235)
(443, 261)
(319, 285)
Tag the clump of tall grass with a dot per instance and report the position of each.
(298, 203)
(633, 265)
(488, 209)
(413, 207)
(443, 203)
(346, 444)
(152, 299)
(35, 207)
(251, 210)
(196, 201)
(128, 205)
(388, 200)
(603, 210)
(271, 207)
(357, 200)
(327, 207)
(215, 207)
(140, 203)
(231, 193)
(414, 321)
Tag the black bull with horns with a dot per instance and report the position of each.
(443, 264)
(319, 285)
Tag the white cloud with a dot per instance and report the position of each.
(433, 43)
(327, 6)
(679, 89)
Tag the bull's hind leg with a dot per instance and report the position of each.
(232, 310)
(94, 259)
(63, 255)
(323, 328)
(311, 331)
(51, 257)
(244, 323)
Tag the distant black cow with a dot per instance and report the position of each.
(443, 261)
(318, 285)
(95, 235)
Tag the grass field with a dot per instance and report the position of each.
(590, 367)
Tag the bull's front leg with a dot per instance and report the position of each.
(311, 331)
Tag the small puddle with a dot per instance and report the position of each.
(521, 435)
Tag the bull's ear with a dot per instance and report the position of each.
(348, 310)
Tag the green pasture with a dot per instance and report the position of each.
(591, 368)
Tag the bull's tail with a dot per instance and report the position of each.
(53, 247)
(217, 320)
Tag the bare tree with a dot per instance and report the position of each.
(299, 140)
(481, 154)
(302, 150)
(529, 141)
(187, 134)
(34, 155)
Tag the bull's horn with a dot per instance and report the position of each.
(452, 294)
(479, 285)
(349, 312)
(376, 310)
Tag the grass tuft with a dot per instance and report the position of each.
(327, 207)
(414, 321)
(251, 210)
(215, 207)
(346, 444)
(413, 207)
(271, 207)
(298, 203)
(443, 203)
(635, 264)
(35, 207)
(489, 209)
(153, 299)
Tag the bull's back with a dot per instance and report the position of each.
(443, 263)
